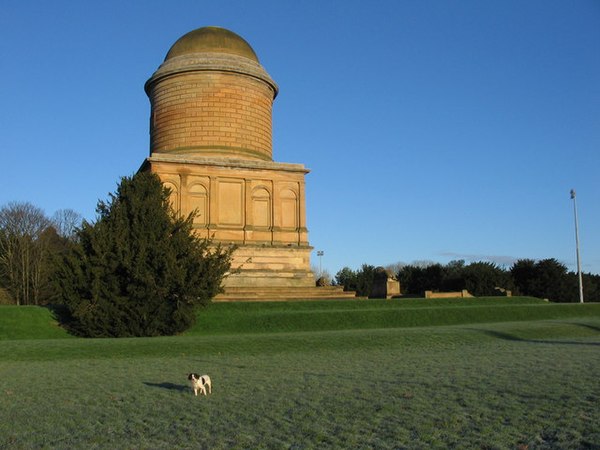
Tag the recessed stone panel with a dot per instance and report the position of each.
(198, 202)
(289, 209)
(261, 208)
(230, 202)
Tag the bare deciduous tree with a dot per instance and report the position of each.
(396, 267)
(66, 221)
(321, 274)
(23, 250)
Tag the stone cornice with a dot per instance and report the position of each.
(189, 152)
(218, 62)
(225, 162)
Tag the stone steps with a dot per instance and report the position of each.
(283, 293)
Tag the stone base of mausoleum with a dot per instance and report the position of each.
(265, 294)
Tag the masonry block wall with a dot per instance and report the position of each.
(262, 204)
(219, 114)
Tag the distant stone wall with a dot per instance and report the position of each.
(460, 294)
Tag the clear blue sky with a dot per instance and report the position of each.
(434, 130)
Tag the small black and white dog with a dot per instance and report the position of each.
(200, 383)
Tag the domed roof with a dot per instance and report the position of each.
(211, 40)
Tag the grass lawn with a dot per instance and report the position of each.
(28, 322)
(257, 317)
(518, 384)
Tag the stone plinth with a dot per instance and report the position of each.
(385, 285)
(259, 206)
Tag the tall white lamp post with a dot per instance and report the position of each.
(573, 197)
(320, 255)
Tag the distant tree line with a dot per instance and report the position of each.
(359, 281)
(546, 278)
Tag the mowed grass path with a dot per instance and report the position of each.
(520, 384)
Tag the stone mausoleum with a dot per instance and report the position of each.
(211, 144)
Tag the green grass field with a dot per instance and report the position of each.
(332, 315)
(493, 379)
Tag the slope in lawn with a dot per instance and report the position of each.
(29, 322)
(259, 317)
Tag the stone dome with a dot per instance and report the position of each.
(211, 40)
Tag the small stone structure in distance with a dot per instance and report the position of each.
(385, 284)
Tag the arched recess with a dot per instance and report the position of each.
(198, 200)
(261, 207)
(173, 196)
(289, 209)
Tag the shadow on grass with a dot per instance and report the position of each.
(168, 386)
(511, 337)
(61, 314)
(585, 325)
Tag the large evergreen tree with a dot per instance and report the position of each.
(482, 278)
(139, 270)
